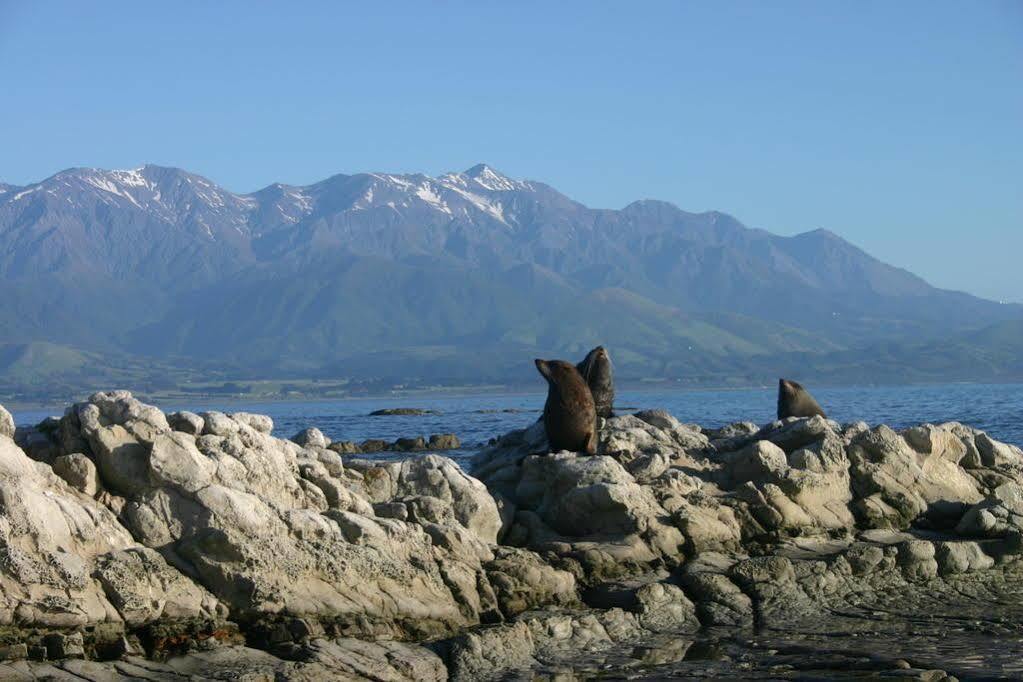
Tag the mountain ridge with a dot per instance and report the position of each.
(157, 261)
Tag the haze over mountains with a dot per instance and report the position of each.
(159, 274)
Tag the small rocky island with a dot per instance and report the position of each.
(139, 545)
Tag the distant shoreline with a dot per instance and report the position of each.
(466, 391)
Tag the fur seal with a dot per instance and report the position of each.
(569, 417)
(599, 375)
(796, 401)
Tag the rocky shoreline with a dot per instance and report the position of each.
(313, 437)
(139, 545)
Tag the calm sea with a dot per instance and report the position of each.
(995, 408)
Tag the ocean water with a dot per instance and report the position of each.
(995, 408)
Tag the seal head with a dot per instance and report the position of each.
(599, 375)
(796, 401)
(569, 417)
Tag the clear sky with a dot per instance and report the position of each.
(898, 125)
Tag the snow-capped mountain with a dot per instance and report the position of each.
(159, 260)
(115, 220)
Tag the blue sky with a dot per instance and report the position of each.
(897, 125)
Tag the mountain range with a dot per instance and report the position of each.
(461, 278)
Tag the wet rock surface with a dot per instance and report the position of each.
(138, 545)
(401, 411)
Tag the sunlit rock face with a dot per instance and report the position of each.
(268, 527)
(129, 534)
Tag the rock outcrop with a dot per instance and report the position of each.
(671, 485)
(436, 442)
(217, 520)
(69, 563)
(137, 541)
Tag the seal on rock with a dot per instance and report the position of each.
(599, 375)
(569, 416)
(796, 401)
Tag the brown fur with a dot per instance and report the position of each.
(569, 416)
(599, 375)
(796, 401)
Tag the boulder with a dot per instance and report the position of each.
(438, 478)
(409, 444)
(175, 461)
(522, 582)
(647, 467)
(345, 447)
(259, 422)
(707, 524)
(218, 424)
(663, 607)
(759, 463)
(186, 422)
(794, 433)
(569, 634)
(588, 508)
(497, 464)
(649, 432)
(997, 515)
(916, 557)
(771, 583)
(809, 495)
(661, 419)
(373, 445)
(120, 407)
(719, 601)
(730, 431)
(581, 496)
(79, 472)
(444, 441)
(995, 454)
(912, 483)
(491, 653)
(121, 458)
(130, 576)
(961, 557)
(311, 438)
